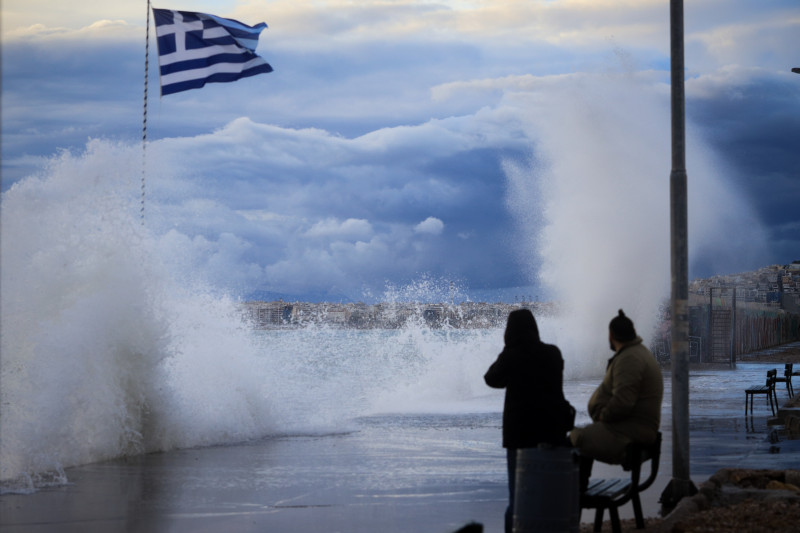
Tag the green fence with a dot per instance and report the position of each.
(715, 339)
(725, 332)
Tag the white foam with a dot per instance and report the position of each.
(103, 354)
(109, 348)
(593, 206)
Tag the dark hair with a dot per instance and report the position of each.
(621, 328)
(521, 328)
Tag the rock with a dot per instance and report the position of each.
(777, 485)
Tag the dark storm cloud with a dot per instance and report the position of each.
(751, 118)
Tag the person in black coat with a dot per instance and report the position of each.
(535, 410)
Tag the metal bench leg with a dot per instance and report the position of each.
(637, 511)
(598, 520)
(615, 525)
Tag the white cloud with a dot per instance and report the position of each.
(351, 229)
(745, 36)
(430, 226)
(107, 30)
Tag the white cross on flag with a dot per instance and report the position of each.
(197, 48)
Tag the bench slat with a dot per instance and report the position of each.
(608, 488)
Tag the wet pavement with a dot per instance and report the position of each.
(720, 434)
(391, 474)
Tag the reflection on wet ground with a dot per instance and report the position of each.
(720, 434)
(391, 473)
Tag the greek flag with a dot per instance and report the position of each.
(196, 48)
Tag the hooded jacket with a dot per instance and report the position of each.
(535, 410)
(629, 398)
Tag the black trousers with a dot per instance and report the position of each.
(511, 462)
(585, 471)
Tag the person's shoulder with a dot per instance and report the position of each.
(640, 349)
(636, 354)
(551, 349)
(631, 353)
(633, 348)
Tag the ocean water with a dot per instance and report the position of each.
(215, 381)
(101, 370)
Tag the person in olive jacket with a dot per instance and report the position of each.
(535, 410)
(626, 407)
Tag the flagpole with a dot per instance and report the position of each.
(144, 114)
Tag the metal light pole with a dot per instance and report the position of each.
(681, 484)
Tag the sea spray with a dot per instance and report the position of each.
(110, 349)
(103, 355)
(73, 288)
(592, 205)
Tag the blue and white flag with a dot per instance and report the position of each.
(196, 48)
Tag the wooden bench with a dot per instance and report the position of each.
(787, 378)
(610, 494)
(768, 389)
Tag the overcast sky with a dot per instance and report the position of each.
(504, 146)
